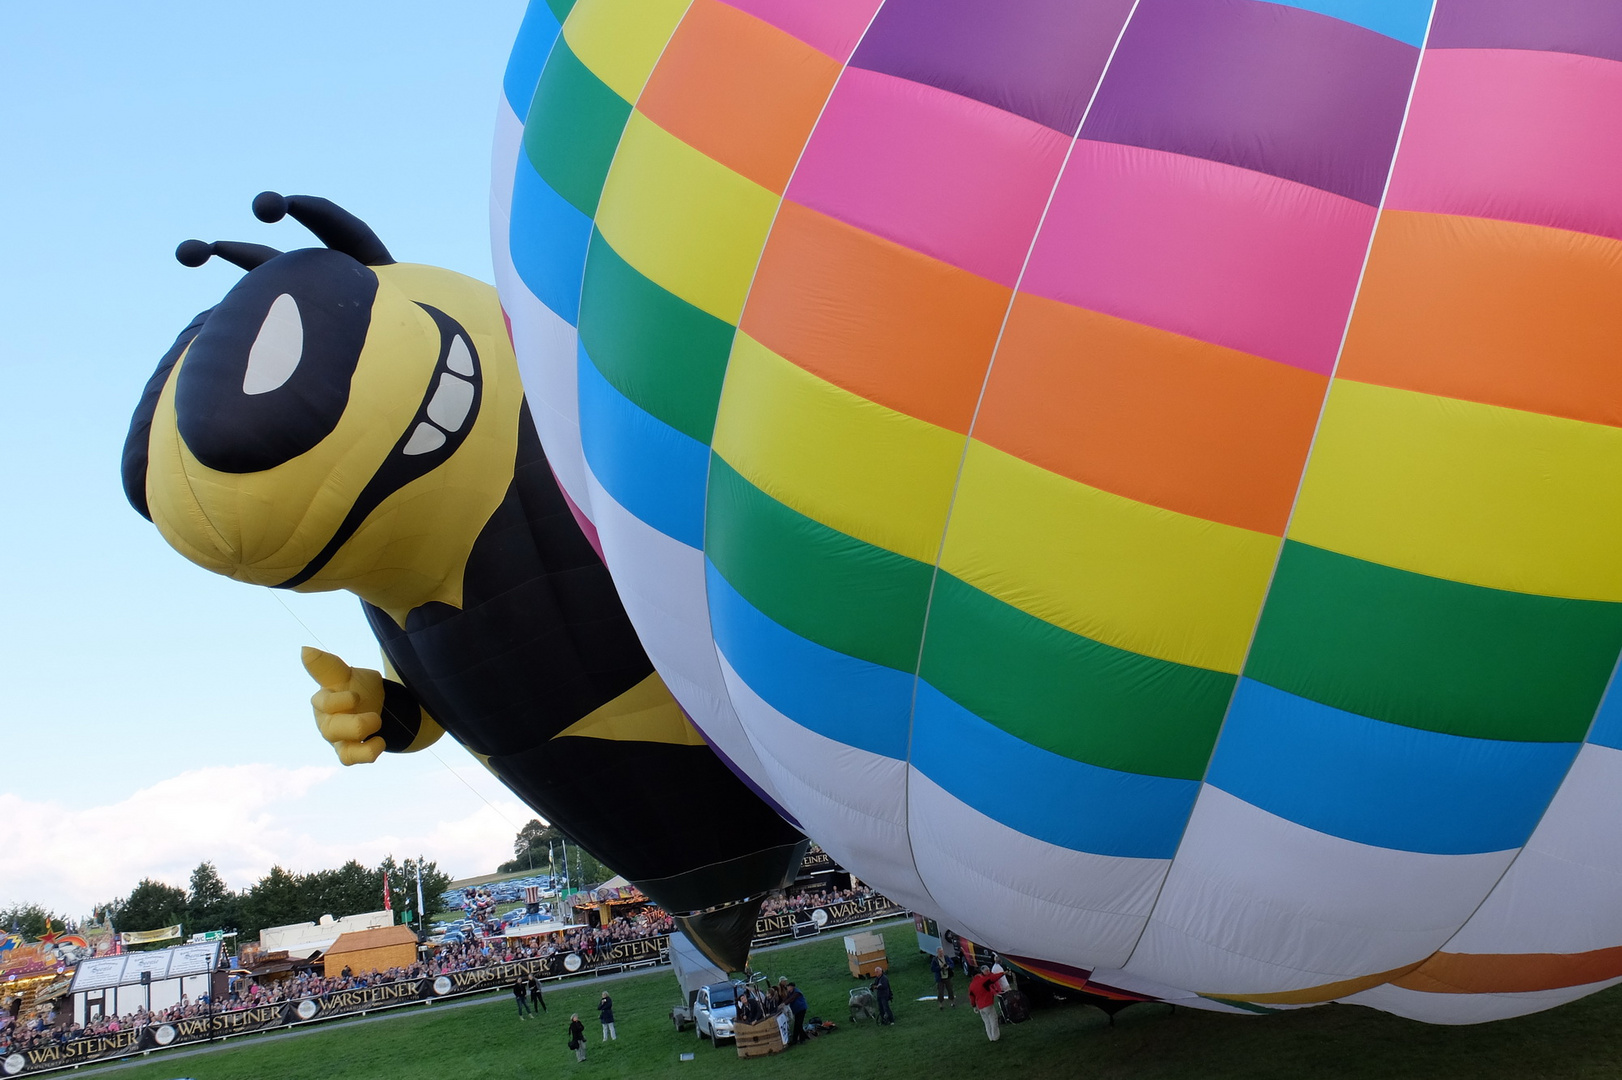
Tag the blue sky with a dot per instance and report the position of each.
(153, 714)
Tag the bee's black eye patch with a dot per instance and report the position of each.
(268, 376)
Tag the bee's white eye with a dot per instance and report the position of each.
(277, 348)
(460, 360)
(424, 438)
(451, 402)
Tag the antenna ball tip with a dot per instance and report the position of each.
(193, 252)
(269, 207)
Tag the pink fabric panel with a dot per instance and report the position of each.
(829, 26)
(1211, 251)
(951, 177)
(1518, 135)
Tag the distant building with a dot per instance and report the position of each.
(302, 939)
(362, 951)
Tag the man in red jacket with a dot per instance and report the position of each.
(983, 996)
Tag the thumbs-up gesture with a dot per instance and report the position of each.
(348, 707)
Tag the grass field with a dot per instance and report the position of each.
(1147, 1042)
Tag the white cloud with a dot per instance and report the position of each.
(69, 853)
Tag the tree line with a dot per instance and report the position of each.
(277, 899)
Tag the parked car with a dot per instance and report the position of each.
(715, 1010)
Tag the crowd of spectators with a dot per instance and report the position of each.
(805, 901)
(18, 1034)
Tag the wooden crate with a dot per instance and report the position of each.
(865, 954)
(770, 1036)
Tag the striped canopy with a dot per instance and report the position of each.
(1137, 480)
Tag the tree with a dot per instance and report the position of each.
(434, 882)
(276, 899)
(348, 890)
(29, 920)
(210, 905)
(151, 905)
(529, 846)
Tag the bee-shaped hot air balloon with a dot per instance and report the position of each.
(345, 421)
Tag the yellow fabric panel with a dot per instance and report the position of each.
(685, 221)
(869, 471)
(644, 713)
(1465, 491)
(621, 40)
(1134, 576)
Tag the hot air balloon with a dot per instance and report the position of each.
(1136, 479)
(341, 420)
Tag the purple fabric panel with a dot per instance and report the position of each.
(1585, 27)
(1276, 89)
(1039, 59)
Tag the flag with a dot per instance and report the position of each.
(387, 905)
(421, 911)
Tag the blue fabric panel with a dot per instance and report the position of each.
(649, 467)
(1404, 20)
(534, 42)
(1383, 784)
(850, 701)
(1607, 729)
(1055, 799)
(548, 238)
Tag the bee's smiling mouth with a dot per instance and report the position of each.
(440, 426)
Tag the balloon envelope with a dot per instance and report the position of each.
(1136, 481)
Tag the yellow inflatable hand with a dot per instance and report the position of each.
(348, 707)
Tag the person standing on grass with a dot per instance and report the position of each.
(942, 967)
(605, 1012)
(797, 1007)
(983, 996)
(577, 1037)
(536, 999)
(521, 995)
(882, 994)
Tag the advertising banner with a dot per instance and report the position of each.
(144, 937)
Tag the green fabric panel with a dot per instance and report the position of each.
(834, 590)
(1066, 693)
(561, 8)
(654, 347)
(574, 126)
(1434, 654)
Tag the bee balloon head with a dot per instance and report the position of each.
(293, 428)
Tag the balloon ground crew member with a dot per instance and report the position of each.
(882, 994)
(942, 968)
(983, 996)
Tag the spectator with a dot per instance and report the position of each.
(942, 969)
(577, 1037)
(521, 995)
(605, 1013)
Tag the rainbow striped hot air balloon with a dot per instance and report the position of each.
(1137, 481)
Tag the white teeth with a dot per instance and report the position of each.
(451, 402)
(427, 437)
(277, 348)
(459, 359)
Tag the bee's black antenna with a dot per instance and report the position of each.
(247, 256)
(332, 224)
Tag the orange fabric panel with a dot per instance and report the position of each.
(1511, 973)
(1317, 995)
(875, 318)
(1521, 316)
(740, 91)
(1151, 415)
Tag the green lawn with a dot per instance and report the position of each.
(1147, 1042)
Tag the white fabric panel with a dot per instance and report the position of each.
(850, 801)
(661, 582)
(1561, 894)
(1028, 897)
(1255, 904)
(546, 347)
(545, 343)
(1468, 1008)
